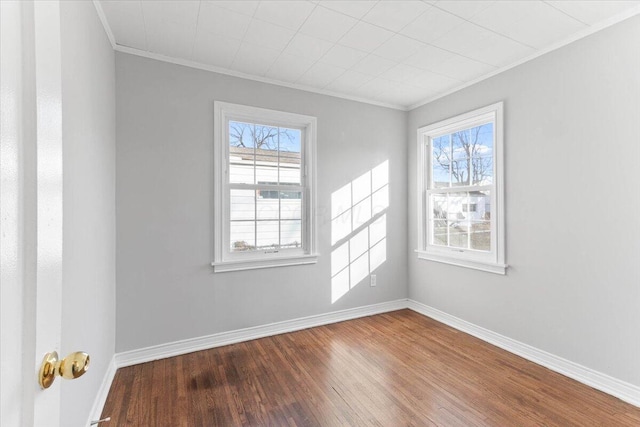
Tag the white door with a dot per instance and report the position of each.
(30, 208)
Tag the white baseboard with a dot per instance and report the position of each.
(613, 386)
(103, 392)
(176, 348)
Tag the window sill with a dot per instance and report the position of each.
(253, 264)
(476, 265)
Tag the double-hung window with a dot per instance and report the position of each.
(460, 191)
(263, 188)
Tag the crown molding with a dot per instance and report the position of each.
(105, 23)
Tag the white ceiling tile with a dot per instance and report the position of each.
(395, 14)
(217, 20)
(373, 65)
(462, 68)
(248, 7)
(252, 59)
(431, 25)
(464, 8)
(214, 49)
(171, 27)
(374, 87)
(365, 37)
(428, 56)
(288, 68)
(398, 48)
(126, 22)
(286, 13)
(184, 12)
(349, 81)
(171, 40)
(401, 73)
(404, 95)
(477, 43)
(433, 82)
(343, 56)
(354, 8)
(523, 22)
(593, 11)
(320, 75)
(261, 33)
(308, 47)
(327, 24)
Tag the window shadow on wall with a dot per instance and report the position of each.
(358, 229)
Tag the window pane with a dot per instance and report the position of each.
(440, 161)
(242, 206)
(267, 208)
(266, 142)
(291, 234)
(290, 144)
(241, 134)
(459, 234)
(484, 140)
(481, 235)
(460, 169)
(461, 143)
(480, 220)
(241, 153)
(242, 235)
(242, 215)
(482, 170)
(290, 205)
(454, 206)
(463, 158)
(438, 204)
(440, 232)
(267, 235)
(482, 202)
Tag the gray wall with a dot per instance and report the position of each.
(166, 290)
(88, 132)
(572, 133)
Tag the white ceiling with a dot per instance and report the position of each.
(392, 52)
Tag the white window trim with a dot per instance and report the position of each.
(224, 259)
(493, 261)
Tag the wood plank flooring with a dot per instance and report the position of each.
(394, 369)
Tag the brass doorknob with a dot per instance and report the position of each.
(72, 366)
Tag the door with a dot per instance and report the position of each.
(30, 208)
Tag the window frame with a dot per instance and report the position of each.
(491, 261)
(226, 260)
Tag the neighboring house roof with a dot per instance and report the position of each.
(248, 153)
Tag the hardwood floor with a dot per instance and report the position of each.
(393, 369)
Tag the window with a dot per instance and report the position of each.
(460, 182)
(263, 189)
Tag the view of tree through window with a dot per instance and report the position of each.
(266, 193)
(459, 189)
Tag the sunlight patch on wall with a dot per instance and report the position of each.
(358, 229)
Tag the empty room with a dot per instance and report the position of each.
(320, 213)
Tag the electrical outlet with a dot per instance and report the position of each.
(373, 280)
